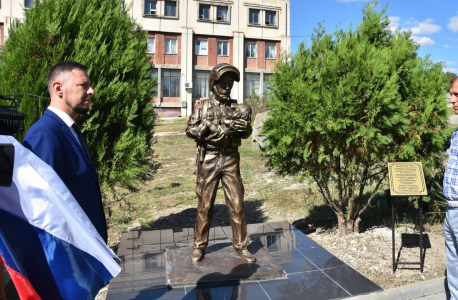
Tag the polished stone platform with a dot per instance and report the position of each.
(313, 272)
(220, 265)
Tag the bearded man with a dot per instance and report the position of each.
(57, 140)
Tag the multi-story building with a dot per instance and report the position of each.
(189, 37)
(11, 11)
(186, 38)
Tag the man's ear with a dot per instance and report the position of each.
(57, 88)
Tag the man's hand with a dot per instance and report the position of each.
(241, 125)
(217, 136)
(238, 125)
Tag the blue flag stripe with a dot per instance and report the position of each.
(80, 275)
(26, 245)
(8, 256)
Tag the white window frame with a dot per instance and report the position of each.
(201, 47)
(268, 78)
(152, 12)
(176, 8)
(202, 17)
(200, 84)
(151, 45)
(170, 42)
(218, 43)
(173, 89)
(274, 23)
(275, 51)
(227, 13)
(247, 45)
(249, 16)
(213, 9)
(247, 93)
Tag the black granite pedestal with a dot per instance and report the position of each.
(313, 272)
(220, 265)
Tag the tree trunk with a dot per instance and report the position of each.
(347, 226)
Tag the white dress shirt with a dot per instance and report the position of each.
(67, 120)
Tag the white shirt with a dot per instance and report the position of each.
(67, 120)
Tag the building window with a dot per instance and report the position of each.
(250, 50)
(204, 12)
(223, 48)
(123, 263)
(251, 84)
(151, 262)
(221, 13)
(271, 17)
(170, 8)
(151, 45)
(200, 88)
(154, 74)
(201, 47)
(272, 243)
(170, 82)
(267, 81)
(271, 51)
(28, 3)
(150, 7)
(254, 16)
(170, 46)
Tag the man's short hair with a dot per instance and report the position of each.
(64, 67)
(453, 81)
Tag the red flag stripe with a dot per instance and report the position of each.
(22, 284)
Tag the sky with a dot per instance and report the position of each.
(434, 23)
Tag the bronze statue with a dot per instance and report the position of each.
(217, 127)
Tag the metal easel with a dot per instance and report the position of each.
(396, 263)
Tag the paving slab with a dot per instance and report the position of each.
(433, 289)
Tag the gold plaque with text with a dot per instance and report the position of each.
(407, 179)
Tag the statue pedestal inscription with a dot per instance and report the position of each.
(220, 265)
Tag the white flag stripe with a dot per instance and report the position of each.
(45, 202)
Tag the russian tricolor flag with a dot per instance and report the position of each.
(48, 244)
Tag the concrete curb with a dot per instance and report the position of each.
(411, 291)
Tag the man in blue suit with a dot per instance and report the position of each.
(57, 140)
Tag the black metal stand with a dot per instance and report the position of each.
(395, 263)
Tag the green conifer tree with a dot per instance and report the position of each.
(100, 34)
(450, 76)
(349, 104)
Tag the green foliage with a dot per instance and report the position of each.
(449, 76)
(258, 104)
(100, 34)
(350, 103)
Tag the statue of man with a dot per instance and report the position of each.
(218, 129)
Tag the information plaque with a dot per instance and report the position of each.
(406, 179)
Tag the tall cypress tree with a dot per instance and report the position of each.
(349, 104)
(100, 34)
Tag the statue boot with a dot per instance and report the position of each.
(197, 255)
(245, 255)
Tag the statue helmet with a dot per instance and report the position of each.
(223, 70)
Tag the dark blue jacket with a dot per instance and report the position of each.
(53, 142)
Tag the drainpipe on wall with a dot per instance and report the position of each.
(186, 60)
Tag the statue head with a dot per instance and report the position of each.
(221, 79)
(243, 112)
